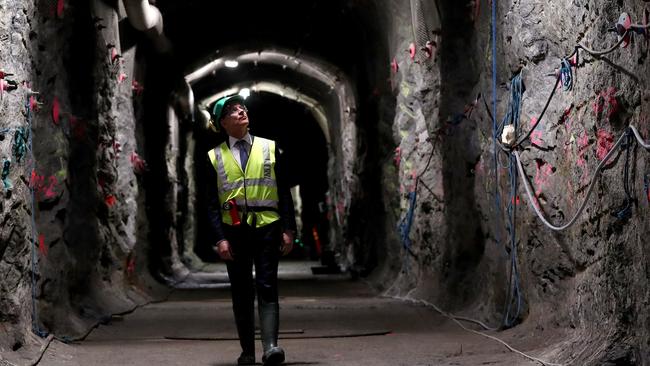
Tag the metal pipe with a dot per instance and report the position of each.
(143, 16)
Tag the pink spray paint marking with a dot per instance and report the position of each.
(412, 51)
(398, 156)
(137, 88)
(34, 104)
(56, 111)
(543, 172)
(606, 103)
(60, 6)
(139, 165)
(413, 176)
(44, 188)
(605, 143)
(394, 67)
(114, 55)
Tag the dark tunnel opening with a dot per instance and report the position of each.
(304, 151)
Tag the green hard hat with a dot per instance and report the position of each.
(218, 106)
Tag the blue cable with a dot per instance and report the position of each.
(6, 182)
(514, 289)
(566, 75)
(405, 224)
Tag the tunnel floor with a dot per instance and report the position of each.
(325, 320)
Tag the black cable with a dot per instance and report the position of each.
(548, 102)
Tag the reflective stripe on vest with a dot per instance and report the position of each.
(255, 188)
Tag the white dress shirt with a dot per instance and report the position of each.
(235, 148)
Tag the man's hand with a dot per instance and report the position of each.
(223, 250)
(287, 242)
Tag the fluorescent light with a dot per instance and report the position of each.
(232, 64)
(245, 93)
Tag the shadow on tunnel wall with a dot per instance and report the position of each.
(155, 133)
(460, 149)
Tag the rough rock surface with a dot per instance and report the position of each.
(590, 278)
(104, 220)
(85, 188)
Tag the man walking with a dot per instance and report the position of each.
(253, 222)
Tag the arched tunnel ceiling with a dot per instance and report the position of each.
(341, 32)
(303, 79)
(280, 89)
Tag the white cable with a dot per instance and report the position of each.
(455, 320)
(639, 138)
(533, 202)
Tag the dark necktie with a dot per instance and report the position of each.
(243, 153)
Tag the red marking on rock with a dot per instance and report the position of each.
(117, 149)
(543, 171)
(606, 102)
(515, 200)
(398, 156)
(110, 200)
(394, 67)
(137, 87)
(114, 55)
(43, 188)
(55, 111)
(412, 51)
(130, 265)
(139, 165)
(41, 245)
(33, 103)
(605, 143)
(121, 77)
(60, 5)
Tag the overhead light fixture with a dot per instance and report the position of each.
(245, 93)
(231, 64)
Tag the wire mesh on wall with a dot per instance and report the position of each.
(425, 22)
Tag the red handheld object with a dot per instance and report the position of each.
(234, 213)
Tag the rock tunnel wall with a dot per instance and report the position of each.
(88, 211)
(589, 280)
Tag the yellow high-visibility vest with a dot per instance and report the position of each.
(253, 187)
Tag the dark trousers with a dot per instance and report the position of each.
(259, 247)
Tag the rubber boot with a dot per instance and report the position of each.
(245, 320)
(269, 323)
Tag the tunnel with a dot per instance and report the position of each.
(470, 179)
